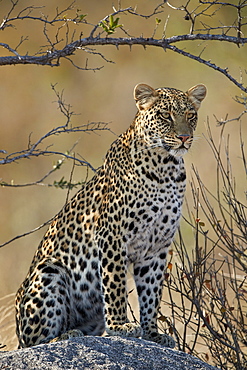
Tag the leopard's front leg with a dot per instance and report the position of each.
(149, 277)
(113, 264)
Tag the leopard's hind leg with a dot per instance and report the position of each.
(43, 310)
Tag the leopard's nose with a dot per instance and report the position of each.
(183, 138)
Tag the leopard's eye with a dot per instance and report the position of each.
(166, 115)
(191, 115)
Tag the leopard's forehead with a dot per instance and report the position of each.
(174, 99)
(171, 93)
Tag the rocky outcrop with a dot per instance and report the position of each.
(112, 353)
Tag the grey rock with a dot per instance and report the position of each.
(89, 352)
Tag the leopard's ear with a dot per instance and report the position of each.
(196, 94)
(145, 96)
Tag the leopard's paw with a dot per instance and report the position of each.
(162, 339)
(69, 334)
(129, 329)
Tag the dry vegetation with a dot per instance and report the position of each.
(208, 287)
(206, 281)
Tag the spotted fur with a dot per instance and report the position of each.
(127, 214)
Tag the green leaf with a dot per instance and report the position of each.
(81, 17)
(110, 25)
(64, 184)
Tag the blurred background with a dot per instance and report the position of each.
(28, 107)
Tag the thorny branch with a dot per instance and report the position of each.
(100, 33)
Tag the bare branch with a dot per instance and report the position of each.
(36, 150)
(27, 233)
(52, 55)
(224, 71)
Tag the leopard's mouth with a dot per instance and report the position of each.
(177, 150)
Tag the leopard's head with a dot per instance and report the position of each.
(167, 117)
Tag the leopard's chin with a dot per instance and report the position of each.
(180, 152)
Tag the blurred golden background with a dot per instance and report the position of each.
(28, 106)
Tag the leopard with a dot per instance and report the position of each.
(126, 215)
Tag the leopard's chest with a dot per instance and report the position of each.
(155, 215)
